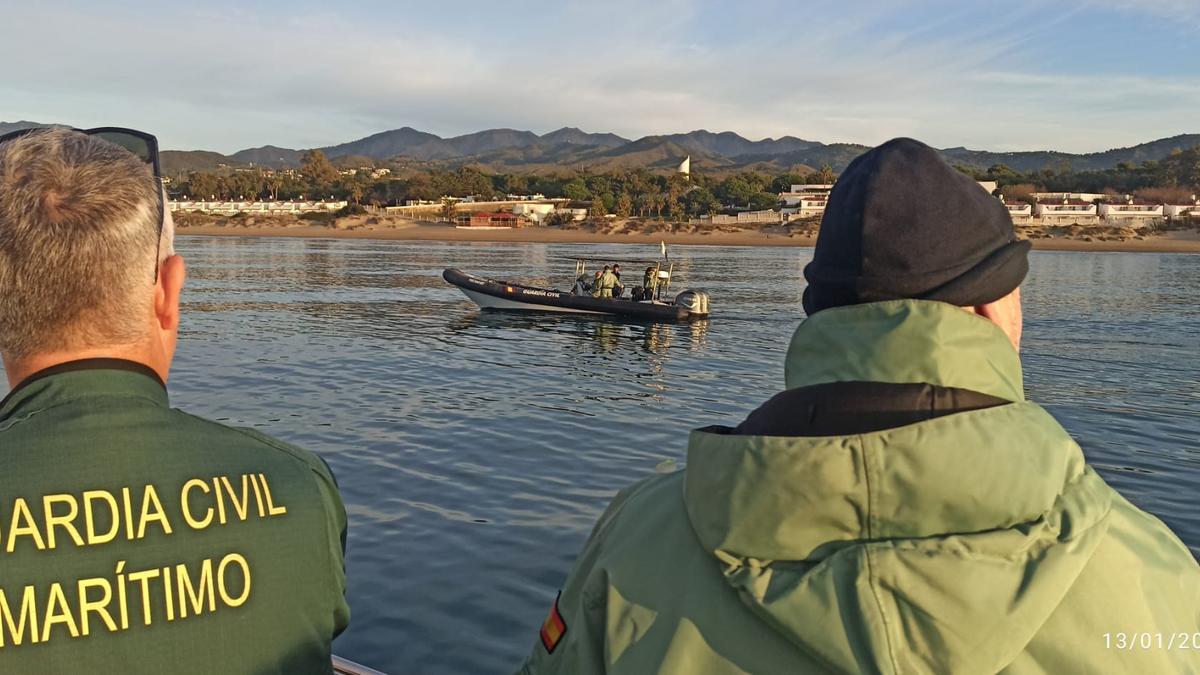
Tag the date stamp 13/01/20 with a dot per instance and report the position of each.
(1145, 640)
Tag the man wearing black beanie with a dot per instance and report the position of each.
(900, 507)
(901, 223)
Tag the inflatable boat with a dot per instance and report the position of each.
(506, 295)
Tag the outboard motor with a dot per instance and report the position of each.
(696, 302)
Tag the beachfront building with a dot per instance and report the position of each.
(495, 221)
(229, 208)
(1021, 212)
(1183, 211)
(805, 201)
(1131, 212)
(536, 213)
(809, 206)
(795, 192)
(1066, 212)
(989, 186)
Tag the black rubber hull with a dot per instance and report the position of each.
(491, 294)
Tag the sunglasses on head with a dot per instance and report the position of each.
(142, 145)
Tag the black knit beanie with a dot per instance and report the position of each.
(902, 223)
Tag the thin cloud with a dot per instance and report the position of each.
(1187, 11)
(307, 78)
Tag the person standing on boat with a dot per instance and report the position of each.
(901, 507)
(618, 288)
(649, 283)
(605, 284)
(136, 538)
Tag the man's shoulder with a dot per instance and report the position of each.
(247, 438)
(250, 439)
(640, 514)
(1136, 534)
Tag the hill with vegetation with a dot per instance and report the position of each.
(511, 150)
(407, 151)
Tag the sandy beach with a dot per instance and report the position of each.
(1094, 238)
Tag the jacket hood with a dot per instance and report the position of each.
(935, 547)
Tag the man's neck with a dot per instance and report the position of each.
(20, 369)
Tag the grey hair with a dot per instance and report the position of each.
(78, 219)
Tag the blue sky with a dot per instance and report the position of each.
(1071, 75)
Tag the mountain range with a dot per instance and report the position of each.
(514, 151)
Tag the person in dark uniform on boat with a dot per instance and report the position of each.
(649, 283)
(137, 538)
(619, 288)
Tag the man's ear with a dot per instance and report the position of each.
(1006, 313)
(171, 276)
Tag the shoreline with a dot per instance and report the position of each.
(1181, 242)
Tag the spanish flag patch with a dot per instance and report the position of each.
(554, 628)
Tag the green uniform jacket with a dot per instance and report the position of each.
(605, 285)
(978, 542)
(135, 538)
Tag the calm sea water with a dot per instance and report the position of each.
(474, 451)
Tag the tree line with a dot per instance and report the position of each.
(1173, 179)
(639, 192)
(636, 192)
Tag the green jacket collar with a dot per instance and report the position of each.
(785, 498)
(85, 378)
(905, 341)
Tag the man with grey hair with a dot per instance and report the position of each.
(136, 537)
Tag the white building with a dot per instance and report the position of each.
(1066, 212)
(811, 188)
(534, 212)
(229, 208)
(805, 201)
(1181, 211)
(809, 206)
(1130, 212)
(989, 186)
(1021, 212)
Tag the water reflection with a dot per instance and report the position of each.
(606, 335)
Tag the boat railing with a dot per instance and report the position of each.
(347, 667)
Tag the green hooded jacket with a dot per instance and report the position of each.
(978, 542)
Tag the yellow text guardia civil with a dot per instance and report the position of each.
(118, 599)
